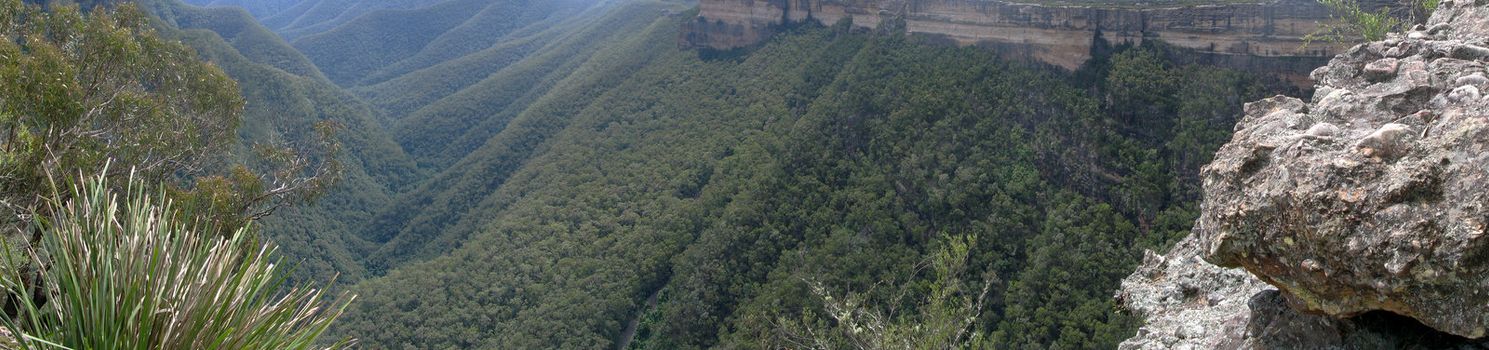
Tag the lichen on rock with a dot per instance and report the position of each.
(1191, 304)
(1373, 197)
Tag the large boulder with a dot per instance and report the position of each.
(1374, 195)
(1191, 304)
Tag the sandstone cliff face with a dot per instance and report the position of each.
(1370, 200)
(1060, 35)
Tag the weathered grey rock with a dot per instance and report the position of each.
(1475, 79)
(1179, 292)
(1391, 211)
(1323, 130)
(1465, 94)
(1191, 304)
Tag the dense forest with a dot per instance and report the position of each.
(560, 174)
(601, 176)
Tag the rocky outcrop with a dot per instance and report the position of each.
(1267, 35)
(1367, 208)
(1191, 304)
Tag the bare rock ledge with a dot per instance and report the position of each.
(1367, 209)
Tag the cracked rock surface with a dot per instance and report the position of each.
(1191, 304)
(1367, 204)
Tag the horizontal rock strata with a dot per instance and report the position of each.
(1262, 35)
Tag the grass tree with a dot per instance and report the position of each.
(119, 268)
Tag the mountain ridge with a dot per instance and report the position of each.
(286, 94)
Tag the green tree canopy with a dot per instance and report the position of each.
(83, 91)
(80, 91)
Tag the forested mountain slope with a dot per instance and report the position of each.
(353, 40)
(297, 18)
(285, 96)
(464, 104)
(525, 47)
(545, 92)
(578, 172)
(256, 8)
(448, 74)
(360, 48)
(722, 183)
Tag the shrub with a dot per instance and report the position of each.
(1352, 22)
(125, 270)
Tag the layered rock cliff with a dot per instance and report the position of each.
(1262, 35)
(1359, 220)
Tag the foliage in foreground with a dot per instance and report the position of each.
(123, 270)
(947, 318)
(83, 88)
(78, 89)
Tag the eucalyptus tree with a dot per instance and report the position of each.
(81, 90)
